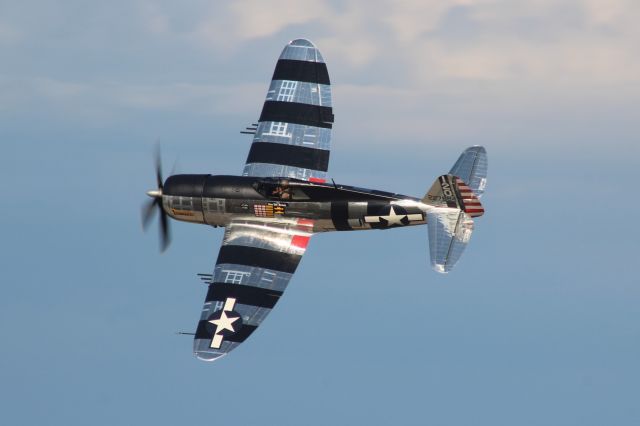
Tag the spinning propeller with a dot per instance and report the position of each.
(156, 203)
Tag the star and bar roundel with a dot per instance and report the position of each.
(254, 266)
(392, 215)
(224, 323)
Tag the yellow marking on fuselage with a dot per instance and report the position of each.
(182, 212)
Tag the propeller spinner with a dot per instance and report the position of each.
(156, 203)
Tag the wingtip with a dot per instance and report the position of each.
(302, 42)
(208, 356)
(301, 49)
(477, 148)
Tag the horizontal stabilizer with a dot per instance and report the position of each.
(449, 233)
(471, 167)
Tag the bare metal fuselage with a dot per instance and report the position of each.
(217, 200)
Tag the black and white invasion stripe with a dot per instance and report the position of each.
(254, 266)
(293, 137)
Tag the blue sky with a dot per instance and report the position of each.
(538, 324)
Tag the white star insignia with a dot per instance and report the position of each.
(224, 322)
(393, 219)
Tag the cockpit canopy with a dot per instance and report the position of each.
(284, 189)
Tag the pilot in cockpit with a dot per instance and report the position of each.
(282, 191)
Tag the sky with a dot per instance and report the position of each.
(539, 324)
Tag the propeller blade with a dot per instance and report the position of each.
(165, 233)
(159, 181)
(148, 209)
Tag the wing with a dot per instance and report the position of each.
(293, 137)
(256, 261)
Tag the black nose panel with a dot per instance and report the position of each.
(184, 185)
(233, 187)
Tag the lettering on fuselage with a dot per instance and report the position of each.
(450, 199)
(269, 209)
(446, 189)
(448, 194)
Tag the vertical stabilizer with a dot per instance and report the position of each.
(451, 192)
(455, 201)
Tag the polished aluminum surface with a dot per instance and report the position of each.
(471, 167)
(449, 233)
(291, 133)
(278, 237)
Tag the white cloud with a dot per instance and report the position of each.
(100, 104)
(257, 18)
(228, 26)
(583, 39)
(609, 12)
(419, 67)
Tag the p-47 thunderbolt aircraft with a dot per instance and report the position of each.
(283, 198)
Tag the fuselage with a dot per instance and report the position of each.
(217, 200)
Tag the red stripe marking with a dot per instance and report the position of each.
(305, 222)
(474, 211)
(317, 180)
(300, 241)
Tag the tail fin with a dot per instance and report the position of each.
(450, 223)
(451, 192)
